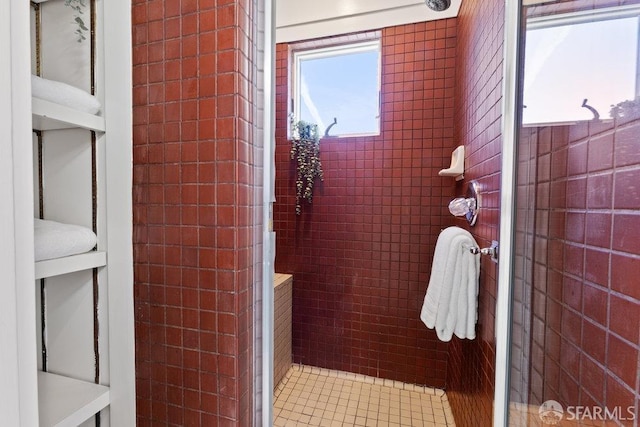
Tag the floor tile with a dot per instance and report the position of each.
(321, 397)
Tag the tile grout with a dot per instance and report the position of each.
(309, 395)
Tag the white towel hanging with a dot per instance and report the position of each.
(451, 301)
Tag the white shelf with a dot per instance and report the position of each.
(47, 115)
(65, 401)
(70, 264)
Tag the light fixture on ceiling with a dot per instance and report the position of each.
(438, 5)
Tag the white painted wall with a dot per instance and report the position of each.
(308, 19)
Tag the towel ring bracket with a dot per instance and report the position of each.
(492, 251)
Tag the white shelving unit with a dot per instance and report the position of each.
(49, 116)
(67, 184)
(67, 394)
(70, 264)
(64, 400)
(67, 402)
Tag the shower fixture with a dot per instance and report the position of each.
(438, 5)
(468, 206)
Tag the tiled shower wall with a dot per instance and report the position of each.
(583, 347)
(361, 253)
(586, 302)
(195, 193)
(470, 379)
(586, 305)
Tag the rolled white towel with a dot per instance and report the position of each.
(56, 240)
(64, 94)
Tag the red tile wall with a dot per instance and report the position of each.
(522, 358)
(585, 295)
(584, 350)
(361, 253)
(194, 210)
(584, 310)
(470, 379)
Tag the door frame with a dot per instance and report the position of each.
(268, 235)
(510, 111)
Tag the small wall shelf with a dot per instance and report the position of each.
(457, 165)
(47, 115)
(70, 264)
(68, 402)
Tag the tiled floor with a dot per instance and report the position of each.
(320, 397)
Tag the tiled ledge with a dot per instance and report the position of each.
(281, 279)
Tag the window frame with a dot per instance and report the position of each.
(319, 51)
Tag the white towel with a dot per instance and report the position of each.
(64, 94)
(56, 240)
(451, 302)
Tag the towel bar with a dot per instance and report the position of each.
(491, 251)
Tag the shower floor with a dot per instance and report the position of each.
(321, 397)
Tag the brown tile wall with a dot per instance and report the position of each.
(470, 379)
(361, 253)
(586, 305)
(521, 379)
(194, 210)
(577, 275)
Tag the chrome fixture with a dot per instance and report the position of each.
(492, 251)
(469, 206)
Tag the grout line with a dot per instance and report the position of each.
(310, 395)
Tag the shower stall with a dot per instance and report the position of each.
(568, 300)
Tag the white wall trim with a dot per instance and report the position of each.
(268, 239)
(119, 171)
(18, 389)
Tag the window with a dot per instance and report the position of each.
(341, 84)
(580, 66)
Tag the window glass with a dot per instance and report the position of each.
(574, 61)
(341, 83)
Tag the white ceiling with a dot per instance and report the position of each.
(307, 19)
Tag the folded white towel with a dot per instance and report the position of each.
(451, 302)
(64, 94)
(56, 240)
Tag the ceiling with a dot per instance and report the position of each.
(307, 19)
